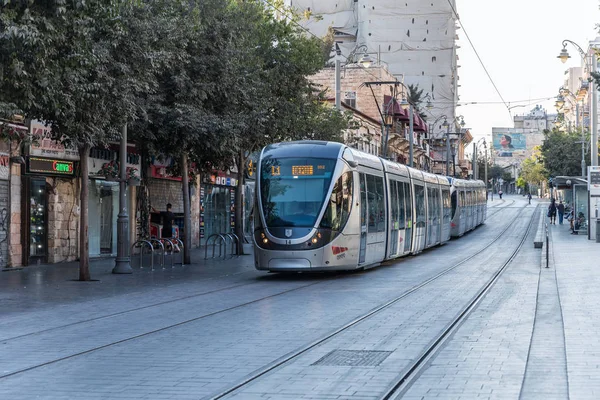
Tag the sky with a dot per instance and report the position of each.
(518, 42)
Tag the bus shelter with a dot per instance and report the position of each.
(573, 191)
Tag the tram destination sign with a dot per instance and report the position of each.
(50, 166)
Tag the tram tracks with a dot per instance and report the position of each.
(404, 381)
(270, 367)
(400, 384)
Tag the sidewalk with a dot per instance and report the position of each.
(576, 263)
(52, 284)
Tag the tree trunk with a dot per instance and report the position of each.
(84, 244)
(239, 202)
(187, 215)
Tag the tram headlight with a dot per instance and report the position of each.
(265, 240)
(315, 240)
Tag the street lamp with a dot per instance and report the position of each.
(122, 265)
(564, 56)
(447, 126)
(406, 105)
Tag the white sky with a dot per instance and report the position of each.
(518, 41)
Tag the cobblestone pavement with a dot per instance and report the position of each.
(193, 331)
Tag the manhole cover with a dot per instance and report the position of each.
(354, 358)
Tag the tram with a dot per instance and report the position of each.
(323, 206)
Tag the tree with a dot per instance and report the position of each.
(561, 152)
(415, 97)
(533, 172)
(81, 67)
(272, 99)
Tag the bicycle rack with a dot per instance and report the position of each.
(141, 244)
(174, 242)
(222, 241)
(162, 246)
(180, 242)
(234, 243)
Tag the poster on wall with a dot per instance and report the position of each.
(45, 146)
(509, 145)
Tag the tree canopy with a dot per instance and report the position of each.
(561, 152)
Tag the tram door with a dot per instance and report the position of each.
(363, 219)
(407, 209)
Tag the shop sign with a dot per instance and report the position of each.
(222, 180)
(4, 166)
(46, 146)
(50, 166)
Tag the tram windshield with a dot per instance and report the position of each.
(293, 190)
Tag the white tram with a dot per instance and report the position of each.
(324, 206)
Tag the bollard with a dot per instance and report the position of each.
(547, 248)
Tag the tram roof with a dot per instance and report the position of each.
(395, 168)
(303, 148)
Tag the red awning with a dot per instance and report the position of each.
(403, 115)
(399, 113)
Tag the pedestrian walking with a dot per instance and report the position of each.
(529, 197)
(561, 211)
(552, 211)
(500, 193)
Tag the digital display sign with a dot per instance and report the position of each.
(50, 166)
(302, 169)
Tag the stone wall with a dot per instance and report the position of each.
(352, 78)
(63, 220)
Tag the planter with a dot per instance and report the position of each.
(111, 178)
(133, 182)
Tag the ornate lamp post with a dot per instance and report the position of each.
(591, 67)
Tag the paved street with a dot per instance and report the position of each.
(197, 331)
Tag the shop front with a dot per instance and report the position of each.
(48, 216)
(217, 204)
(50, 205)
(4, 207)
(103, 202)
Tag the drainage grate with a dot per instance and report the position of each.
(353, 358)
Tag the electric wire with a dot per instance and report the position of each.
(477, 54)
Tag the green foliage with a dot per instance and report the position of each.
(561, 152)
(532, 171)
(415, 97)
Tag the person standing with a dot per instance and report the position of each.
(529, 197)
(561, 211)
(168, 219)
(552, 211)
(500, 193)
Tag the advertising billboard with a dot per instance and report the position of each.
(507, 145)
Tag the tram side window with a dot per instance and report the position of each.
(380, 193)
(394, 204)
(363, 199)
(340, 204)
(447, 206)
(372, 203)
(454, 203)
(431, 203)
(407, 204)
(420, 205)
(462, 202)
(401, 203)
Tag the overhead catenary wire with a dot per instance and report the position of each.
(477, 54)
